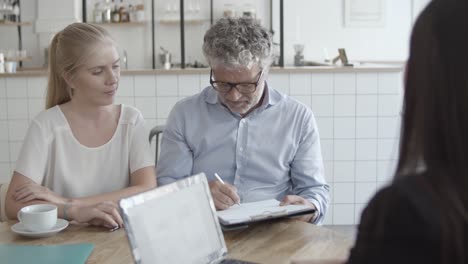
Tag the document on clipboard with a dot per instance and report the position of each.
(239, 215)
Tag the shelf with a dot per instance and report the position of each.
(19, 59)
(8, 23)
(123, 24)
(186, 21)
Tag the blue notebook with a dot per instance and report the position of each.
(47, 254)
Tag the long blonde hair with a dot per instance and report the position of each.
(68, 50)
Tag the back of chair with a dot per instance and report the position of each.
(3, 191)
(156, 131)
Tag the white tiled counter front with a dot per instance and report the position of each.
(358, 115)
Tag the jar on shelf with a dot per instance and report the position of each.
(229, 10)
(140, 12)
(97, 13)
(249, 11)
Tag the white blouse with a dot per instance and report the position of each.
(53, 157)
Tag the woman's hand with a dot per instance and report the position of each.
(33, 191)
(104, 214)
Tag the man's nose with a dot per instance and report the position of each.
(233, 94)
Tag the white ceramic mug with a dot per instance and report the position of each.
(38, 217)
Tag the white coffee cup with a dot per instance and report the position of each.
(38, 217)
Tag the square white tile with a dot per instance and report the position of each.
(3, 130)
(343, 214)
(17, 108)
(204, 80)
(389, 127)
(343, 192)
(366, 105)
(367, 83)
(322, 83)
(365, 191)
(387, 149)
(390, 83)
(327, 149)
(37, 87)
(359, 208)
(15, 148)
(161, 121)
(2, 87)
(16, 87)
(386, 170)
(147, 106)
(366, 171)
(145, 85)
(35, 106)
(344, 149)
(4, 151)
(5, 172)
(300, 84)
(167, 85)
(322, 105)
(325, 127)
(3, 109)
(366, 127)
(328, 219)
(305, 99)
(345, 83)
(126, 100)
(164, 105)
(126, 86)
(17, 129)
(389, 105)
(189, 84)
(328, 168)
(279, 81)
(343, 171)
(366, 149)
(344, 127)
(345, 105)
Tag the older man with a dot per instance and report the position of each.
(262, 143)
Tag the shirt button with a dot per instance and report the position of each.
(241, 149)
(243, 121)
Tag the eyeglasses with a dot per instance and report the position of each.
(225, 87)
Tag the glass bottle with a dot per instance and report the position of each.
(115, 13)
(107, 12)
(97, 13)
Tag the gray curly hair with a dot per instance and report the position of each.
(236, 42)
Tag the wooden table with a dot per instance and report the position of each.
(268, 242)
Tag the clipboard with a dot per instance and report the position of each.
(240, 216)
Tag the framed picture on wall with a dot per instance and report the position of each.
(364, 13)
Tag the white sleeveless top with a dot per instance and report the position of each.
(53, 157)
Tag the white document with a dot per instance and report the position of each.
(248, 212)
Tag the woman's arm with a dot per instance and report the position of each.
(23, 191)
(141, 180)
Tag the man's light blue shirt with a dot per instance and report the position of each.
(272, 152)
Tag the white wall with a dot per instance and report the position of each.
(321, 26)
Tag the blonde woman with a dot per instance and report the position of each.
(83, 153)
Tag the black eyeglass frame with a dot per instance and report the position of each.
(234, 85)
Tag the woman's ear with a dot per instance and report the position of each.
(68, 80)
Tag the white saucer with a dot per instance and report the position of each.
(19, 228)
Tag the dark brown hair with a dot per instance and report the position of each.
(434, 136)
